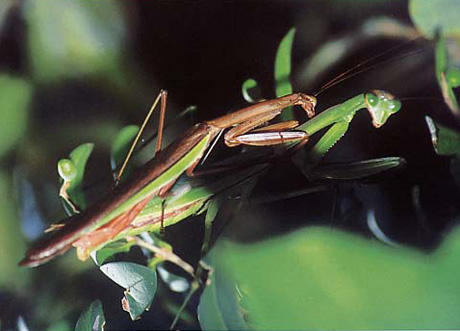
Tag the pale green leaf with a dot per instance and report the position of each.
(436, 15)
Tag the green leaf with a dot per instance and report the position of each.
(211, 213)
(322, 279)
(445, 141)
(431, 16)
(446, 65)
(74, 39)
(249, 84)
(12, 240)
(79, 156)
(15, 96)
(121, 146)
(357, 170)
(283, 70)
(140, 283)
(92, 318)
(219, 307)
(109, 250)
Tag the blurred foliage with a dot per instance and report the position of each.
(432, 16)
(219, 307)
(318, 279)
(15, 98)
(73, 39)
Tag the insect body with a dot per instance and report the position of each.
(108, 217)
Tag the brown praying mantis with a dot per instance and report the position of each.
(115, 216)
(105, 219)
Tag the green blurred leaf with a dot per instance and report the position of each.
(121, 146)
(219, 307)
(92, 318)
(319, 279)
(444, 64)
(72, 39)
(140, 283)
(12, 242)
(283, 70)
(434, 15)
(357, 170)
(79, 156)
(15, 96)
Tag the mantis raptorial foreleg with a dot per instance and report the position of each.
(380, 105)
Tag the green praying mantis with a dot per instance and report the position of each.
(147, 200)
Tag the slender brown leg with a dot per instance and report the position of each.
(163, 97)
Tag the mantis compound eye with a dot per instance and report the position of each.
(371, 99)
(394, 106)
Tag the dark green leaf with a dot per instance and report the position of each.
(121, 146)
(322, 279)
(446, 141)
(140, 283)
(357, 170)
(92, 318)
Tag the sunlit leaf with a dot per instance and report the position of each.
(140, 283)
(92, 318)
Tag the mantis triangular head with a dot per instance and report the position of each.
(381, 105)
